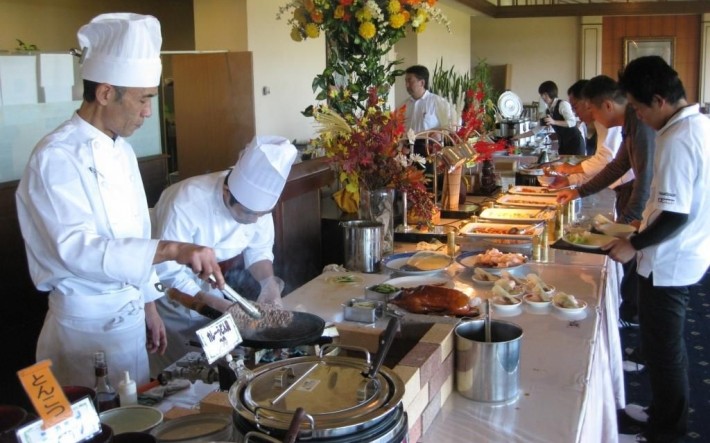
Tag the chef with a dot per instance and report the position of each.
(84, 218)
(231, 212)
(562, 120)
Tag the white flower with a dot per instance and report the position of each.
(411, 136)
(417, 158)
(402, 160)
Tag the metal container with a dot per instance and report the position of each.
(488, 371)
(363, 245)
(363, 310)
(196, 428)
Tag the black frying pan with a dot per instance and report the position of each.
(305, 328)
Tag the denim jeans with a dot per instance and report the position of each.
(662, 325)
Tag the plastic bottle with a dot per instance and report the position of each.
(106, 395)
(127, 391)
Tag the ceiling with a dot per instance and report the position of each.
(574, 8)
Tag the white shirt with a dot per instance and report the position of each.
(428, 112)
(681, 183)
(566, 111)
(83, 214)
(608, 143)
(193, 211)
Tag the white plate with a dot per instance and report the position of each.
(466, 259)
(419, 280)
(527, 298)
(394, 263)
(529, 201)
(596, 241)
(132, 418)
(473, 230)
(582, 307)
(618, 230)
(498, 305)
(510, 105)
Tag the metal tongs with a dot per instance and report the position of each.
(234, 296)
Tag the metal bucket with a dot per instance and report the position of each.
(363, 245)
(488, 371)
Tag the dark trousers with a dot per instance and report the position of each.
(662, 324)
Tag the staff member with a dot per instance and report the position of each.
(231, 212)
(84, 218)
(562, 120)
(672, 245)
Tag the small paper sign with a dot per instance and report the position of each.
(45, 393)
(83, 423)
(219, 337)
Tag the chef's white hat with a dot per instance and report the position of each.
(121, 49)
(261, 172)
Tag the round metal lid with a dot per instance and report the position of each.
(332, 390)
(510, 105)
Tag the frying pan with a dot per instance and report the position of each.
(303, 328)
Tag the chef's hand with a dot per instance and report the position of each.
(560, 182)
(156, 340)
(567, 195)
(200, 258)
(620, 249)
(271, 288)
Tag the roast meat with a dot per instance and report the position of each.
(427, 299)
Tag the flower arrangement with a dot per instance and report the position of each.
(360, 35)
(368, 153)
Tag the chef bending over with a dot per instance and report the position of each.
(84, 217)
(229, 211)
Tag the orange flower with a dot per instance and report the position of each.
(317, 16)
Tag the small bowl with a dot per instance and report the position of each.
(136, 418)
(534, 301)
(372, 294)
(581, 308)
(545, 180)
(504, 305)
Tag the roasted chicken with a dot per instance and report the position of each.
(434, 299)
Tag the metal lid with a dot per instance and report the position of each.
(332, 390)
(509, 105)
(195, 428)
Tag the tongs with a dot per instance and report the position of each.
(234, 296)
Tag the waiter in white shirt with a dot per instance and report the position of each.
(229, 211)
(84, 217)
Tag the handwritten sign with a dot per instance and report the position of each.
(45, 393)
(219, 337)
(82, 424)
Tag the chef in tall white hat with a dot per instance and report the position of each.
(229, 211)
(84, 217)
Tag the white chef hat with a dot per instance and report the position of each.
(261, 172)
(121, 49)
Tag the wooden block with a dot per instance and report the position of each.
(216, 402)
(177, 412)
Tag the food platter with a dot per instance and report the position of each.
(591, 241)
(508, 215)
(398, 263)
(531, 190)
(499, 230)
(413, 281)
(527, 201)
(469, 260)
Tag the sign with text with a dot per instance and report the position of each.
(45, 393)
(83, 423)
(219, 337)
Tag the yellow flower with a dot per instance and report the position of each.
(339, 12)
(296, 34)
(421, 28)
(363, 15)
(394, 6)
(312, 30)
(397, 21)
(367, 30)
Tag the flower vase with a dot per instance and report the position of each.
(378, 205)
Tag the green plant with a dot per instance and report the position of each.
(25, 47)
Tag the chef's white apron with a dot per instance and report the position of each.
(76, 326)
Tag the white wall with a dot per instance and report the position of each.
(538, 48)
(286, 67)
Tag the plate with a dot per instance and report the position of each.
(394, 263)
(528, 298)
(419, 280)
(595, 241)
(132, 418)
(515, 215)
(498, 231)
(534, 201)
(618, 230)
(531, 190)
(500, 305)
(466, 259)
(582, 307)
(510, 105)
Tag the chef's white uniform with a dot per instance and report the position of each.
(194, 211)
(84, 218)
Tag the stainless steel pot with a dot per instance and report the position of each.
(345, 398)
(363, 245)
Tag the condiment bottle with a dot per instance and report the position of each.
(451, 243)
(127, 391)
(106, 395)
(544, 244)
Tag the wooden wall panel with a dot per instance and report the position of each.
(685, 29)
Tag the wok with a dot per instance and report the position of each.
(302, 329)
